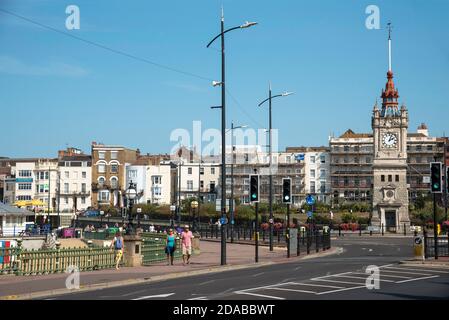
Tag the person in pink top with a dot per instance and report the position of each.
(186, 242)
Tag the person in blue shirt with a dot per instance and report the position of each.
(170, 246)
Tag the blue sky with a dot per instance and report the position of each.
(57, 90)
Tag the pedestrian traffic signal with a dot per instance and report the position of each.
(436, 177)
(286, 190)
(254, 188)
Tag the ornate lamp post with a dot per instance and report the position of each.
(194, 206)
(131, 194)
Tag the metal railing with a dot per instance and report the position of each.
(429, 246)
(15, 260)
(153, 248)
(308, 240)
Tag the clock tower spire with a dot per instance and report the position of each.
(390, 124)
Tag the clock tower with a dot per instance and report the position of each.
(390, 193)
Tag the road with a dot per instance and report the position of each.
(340, 276)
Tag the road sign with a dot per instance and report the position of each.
(223, 220)
(172, 208)
(139, 210)
(300, 157)
(271, 221)
(309, 214)
(310, 200)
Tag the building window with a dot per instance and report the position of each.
(189, 170)
(323, 159)
(114, 155)
(114, 168)
(397, 178)
(101, 155)
(103, 195)
(323, 187)
(83, 200)
(212, 186)
(382, 178)
(288, 159)
(418, 148)
(346, 148)
(189, 184)
(84, 175)
(157, 191)
(101, 181)
(66, 174)
(390, 178)
(66, 200)
(312, 173)
(356, 160)
(201, 170)
(312, 187)
(101, 168)
(336, 148)
(66, 188)
(201, 184)
(114, 183)
(24, 173)
(24, 186)
(212, 170)
(156, 179)
(83, 188)
(20, 198)
(322, 174)
(43, 188)
(356, 148)
(312, 159)
(132, 174)
(368, 160)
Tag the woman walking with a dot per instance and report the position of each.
(170, 246)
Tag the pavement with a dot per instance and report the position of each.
(341, 275)
(239, 256)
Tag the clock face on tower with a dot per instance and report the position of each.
(389, 140)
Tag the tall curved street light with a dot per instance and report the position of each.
(222, 83)
(270, 199)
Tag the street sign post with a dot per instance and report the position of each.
(310, 200)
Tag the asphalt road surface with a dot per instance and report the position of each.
(339, 276)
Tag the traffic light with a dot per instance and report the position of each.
(254, 188)
(435, 177)
(286, 190)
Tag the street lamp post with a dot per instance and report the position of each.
(223, 126)
(194, 206)
(131, 194)
(270, 200)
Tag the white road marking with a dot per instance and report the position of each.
(259, 295)
(155, 296)
(339, 290)
(362, 278)
(388, 275)
(293, 290)
(416, 279)
(315, 285)
(406, 272)
(337, 281)
(199, 298)
(419, 269)
(258, 274)
(203, 283)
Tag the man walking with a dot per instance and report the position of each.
(186, 241)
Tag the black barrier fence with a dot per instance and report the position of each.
(308, 241)
(442, 245)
